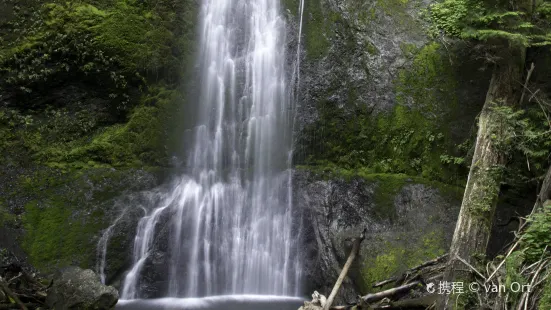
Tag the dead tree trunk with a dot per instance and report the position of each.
(474, 224)
(545, 190)
(351, 257)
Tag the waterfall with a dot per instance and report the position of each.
(231, 212)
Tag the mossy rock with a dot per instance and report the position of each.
(69, 210)
(412, 138)
(398, 255)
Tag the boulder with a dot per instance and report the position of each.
(75, 288)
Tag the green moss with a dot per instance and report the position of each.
(397, 10)
(411, 139)
(430, 82)
(489, 180)
(387, 185)
(59, 227)
(545, 301)
(391, 6)
(69, 141)
(97, 88)
(371, 49)
(292, 6)
(67, 211)
(56, 236)
(396, 257)
(319, 26)
(135, 33)
(6, 218)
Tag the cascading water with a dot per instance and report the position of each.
(231, 212)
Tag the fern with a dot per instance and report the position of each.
(477, 20)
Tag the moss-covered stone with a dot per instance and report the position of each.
(395, 10)
(68, 209)
(319, 26)
(412, 139)
(387, 185)
(292, 6)
(6, 218)
(137, 143)
(89, 91)
(399, 255)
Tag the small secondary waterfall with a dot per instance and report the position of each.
(231, 213)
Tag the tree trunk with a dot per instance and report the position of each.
(351, 257)
(474, 224)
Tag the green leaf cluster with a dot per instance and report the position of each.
(116, 47)
(536, 241)
(517, 22)
(545, 301)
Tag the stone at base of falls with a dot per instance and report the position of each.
(75, 288)
(317, 303)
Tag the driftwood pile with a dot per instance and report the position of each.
(407, 291)
(20, 289)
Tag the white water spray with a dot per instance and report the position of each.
(231, 212)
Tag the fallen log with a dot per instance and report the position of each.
(405, 275)
(8, 291)
(371, 298)
(385, 282)
(344, 271)
(414, 303)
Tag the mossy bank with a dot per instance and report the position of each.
(89, 92)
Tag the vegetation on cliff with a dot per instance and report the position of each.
(87, 90)
(503, 31)
(418, 136)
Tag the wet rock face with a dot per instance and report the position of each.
(354, 51)
(366, 56)
(414, 225)
(75, 288)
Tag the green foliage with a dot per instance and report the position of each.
(85, 87)
(114, 47)
(513, 265)
(450, 17)
(486, 20)
(536, 241)
(318, 28)
(138, 142)
(411, 139)
(77, 71)
(525, 138)
(488, 178)
(528, 134)
(60, 47)
(6, 218)
(545, 301)
(66, 211)
(397, 258)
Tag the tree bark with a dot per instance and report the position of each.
(390, 292)
(474, 224)
(545, 191)
(351, 257)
